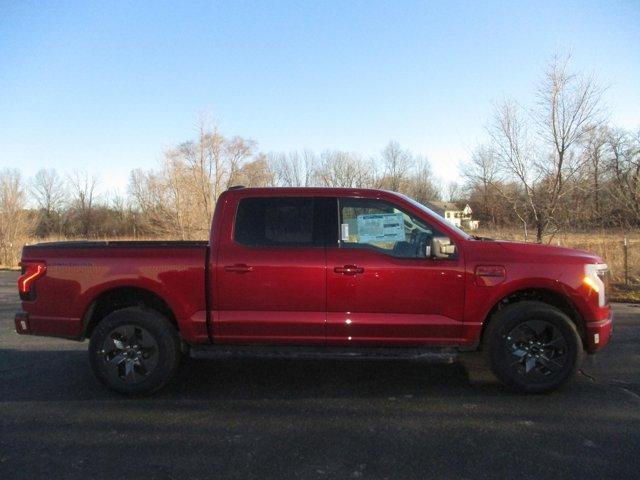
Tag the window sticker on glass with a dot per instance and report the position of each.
(344, 232)
(386, 227)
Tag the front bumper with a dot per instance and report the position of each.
(599, 333)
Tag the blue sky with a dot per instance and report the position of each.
(105, 86)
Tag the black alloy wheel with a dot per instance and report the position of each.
(130, 352)
(537, 348)
(134, 351)
(532, 346)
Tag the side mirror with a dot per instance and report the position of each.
(441, 247)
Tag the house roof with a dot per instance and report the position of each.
(437, 206)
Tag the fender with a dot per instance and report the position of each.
(483, 300)
(191, 324)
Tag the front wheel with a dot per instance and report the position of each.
(533, 347)
(134, 351)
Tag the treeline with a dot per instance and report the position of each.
(554, 165)
(603, 193)
(557, 164)
(55, 207)
(177, 199)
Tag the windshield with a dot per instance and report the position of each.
(418, 205)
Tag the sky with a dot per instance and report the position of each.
(107, 86)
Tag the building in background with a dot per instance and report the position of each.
(455, 213)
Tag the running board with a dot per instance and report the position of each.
(425, 354)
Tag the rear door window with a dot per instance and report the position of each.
(286, 222)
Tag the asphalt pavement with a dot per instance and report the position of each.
(280, 419)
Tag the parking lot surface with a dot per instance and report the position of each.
(312, 419)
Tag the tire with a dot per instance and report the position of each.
(533, 347)
(134, 351)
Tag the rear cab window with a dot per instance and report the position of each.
(293, 222)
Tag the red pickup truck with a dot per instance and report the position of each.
(306, 272)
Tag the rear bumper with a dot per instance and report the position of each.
(48, 326)
(599, 333)
(22, 323)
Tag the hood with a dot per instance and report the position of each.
(541, 252)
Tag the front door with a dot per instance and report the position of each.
(383, 284)
(271, 279)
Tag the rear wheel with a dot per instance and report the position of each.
(533, 347)
(134, 351)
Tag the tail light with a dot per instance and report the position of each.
(31, 271)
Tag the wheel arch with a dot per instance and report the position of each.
(544, 295)
(120, 297)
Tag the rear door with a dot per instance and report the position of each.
(384, 287)
(271, 278)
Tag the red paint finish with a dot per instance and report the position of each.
(76, 276)
(532, 266)
(224, 292)
(396, 300)
(282, 298)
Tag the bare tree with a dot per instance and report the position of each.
(625, 165)
(119, 207)
(156, 212)
(453, 191)
(481, 173)
(343, 169)
(82, 187)
(179, 200)
(397, 164)
(15, 224)
(569, 109)
(546, 162)
(48, 189)
(204, 161)
(595, 151)
(188, 196)
(214, 163)
(238, 151)
(293, 169)
(255, 173)
(422, 185)
(515, 155)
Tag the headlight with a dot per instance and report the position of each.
(594, 275)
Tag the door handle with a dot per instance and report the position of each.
(349, 270)
(238, 268)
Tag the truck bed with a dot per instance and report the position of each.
(79, 273)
